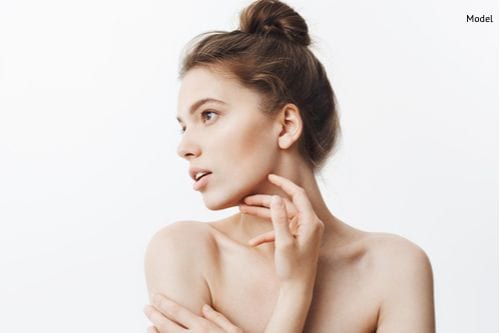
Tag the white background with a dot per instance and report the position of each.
(88, 137)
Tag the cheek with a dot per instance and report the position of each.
(253, 149)
(245, 155)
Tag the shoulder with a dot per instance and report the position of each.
(405, 280)
(176, 261)
(396, 257)
(180, 239)
(181, 233)
(384, 253)
(391, 250)
(180, 250)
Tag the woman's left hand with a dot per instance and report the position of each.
(170, 317)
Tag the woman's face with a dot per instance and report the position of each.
(225, 132)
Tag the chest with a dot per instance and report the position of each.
(344, 300)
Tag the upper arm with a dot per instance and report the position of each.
(408, 293)
(173, 265)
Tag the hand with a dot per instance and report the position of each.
(170, 317)
(297, 230)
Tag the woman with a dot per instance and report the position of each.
(259, 120)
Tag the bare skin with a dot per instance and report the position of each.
(365, 282)
(356, 290)
(247, 294)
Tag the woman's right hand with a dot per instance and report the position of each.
(297, 231)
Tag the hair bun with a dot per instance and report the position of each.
(275, 18)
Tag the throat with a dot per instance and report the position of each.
(248, 227)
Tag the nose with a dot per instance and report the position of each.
(187, 148)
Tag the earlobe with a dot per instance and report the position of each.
(285, 141)
(291, 124)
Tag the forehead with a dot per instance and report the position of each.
(202, 83)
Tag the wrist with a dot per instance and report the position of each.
(294, 286)
(292, 307)
(297, 292)
(299, 285)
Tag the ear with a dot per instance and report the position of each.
(291, 125)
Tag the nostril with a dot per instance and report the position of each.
(186, 154)
(183, 153)
(185, 150)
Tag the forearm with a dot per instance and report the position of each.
(291, 309)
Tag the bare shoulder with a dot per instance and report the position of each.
(391, 249)
(182, 235)
(176, 261)
(396, 257)
(404, 278)
(181, 241)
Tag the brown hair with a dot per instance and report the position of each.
(269, 53)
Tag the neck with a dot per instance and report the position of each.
(336, 232)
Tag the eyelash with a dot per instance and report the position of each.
(182, 130)
(208, 111)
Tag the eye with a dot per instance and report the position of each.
(207, 112)
(183, 129)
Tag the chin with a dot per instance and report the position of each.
(218, 205)
(213, 202)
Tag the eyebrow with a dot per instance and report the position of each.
(199, 103)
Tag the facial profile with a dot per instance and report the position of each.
(225, 132)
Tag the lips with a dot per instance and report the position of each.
(204, 177)
(202, 181)
(195, 171)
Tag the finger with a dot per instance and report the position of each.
(162, 323)
(296, 192)
(265, 212)
(265, 201)
(294, 225)
(263, 238)
(280, 222)
(153, 329)
(218, 318)
(262, 212)
(174, 311)
(270, 236)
